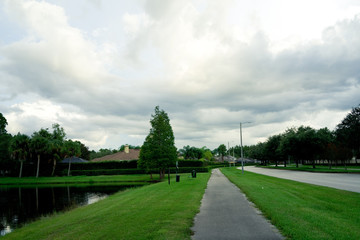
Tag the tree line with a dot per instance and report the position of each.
(44, 147)
(307, 145)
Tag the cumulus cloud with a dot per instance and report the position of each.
(193, 58)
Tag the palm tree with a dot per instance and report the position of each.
(71, 149)
(56, 152)
(19, 147)
(40, 146)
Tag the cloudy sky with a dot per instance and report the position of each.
(99, 67)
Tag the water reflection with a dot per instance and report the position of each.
(23, 204)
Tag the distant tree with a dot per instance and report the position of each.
(71, 149)
(289, 145)
(258, 152)
(85, 153)
(5, 138)
(222, 151)
(40, 146)
(325, 138)
(58, 132)
(56, 152)
(348, 131)
(272, 148)
(160, 142)
(208, 155)
(3, 124)
(19, 148)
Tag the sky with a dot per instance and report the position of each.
(99, 67)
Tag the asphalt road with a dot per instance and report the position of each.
(344, 181)
(225, 213)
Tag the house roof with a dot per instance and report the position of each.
(73, 160)
(120, 156)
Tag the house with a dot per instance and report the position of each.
(73, 160)
(126, 155)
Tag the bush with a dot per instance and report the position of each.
(130, 171)
(104, 172)
(100, 165)
(189, 163)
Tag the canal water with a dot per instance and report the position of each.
(20, 205)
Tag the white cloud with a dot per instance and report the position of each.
(209, 64)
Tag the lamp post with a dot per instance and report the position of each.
(242, 153)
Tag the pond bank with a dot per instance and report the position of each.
(156, 211)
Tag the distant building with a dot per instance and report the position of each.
(73, 160)
(126, 155)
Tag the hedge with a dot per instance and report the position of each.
(130, 171)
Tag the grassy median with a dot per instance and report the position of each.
(157, 211)
(300, 210)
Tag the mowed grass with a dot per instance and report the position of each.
(157, 211)
(77, 179)
(300, 210)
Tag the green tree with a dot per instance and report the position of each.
(289, 145)
(19, 148)
(85, 153)
(159, 146)
(208, 155)
(71, 149)
(348, 131)
(272, 148)
(5, 138)
(40, 146)
(145, 157)
(3, 124)
(222, 151)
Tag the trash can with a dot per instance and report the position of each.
(177, 178)
(193, 173)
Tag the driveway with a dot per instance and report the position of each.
(344, 181)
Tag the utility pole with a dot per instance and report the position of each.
(241, 145)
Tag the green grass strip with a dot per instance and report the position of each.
(76, 179)
(300, 210)
(157, 211)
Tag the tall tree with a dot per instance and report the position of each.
(3, 124)
(159, 145)
(40, 145)
(289, 145)
(71, 149)
(85, 153)
(272, 148)
(19, 148)
(5, 138)
(348, 131)
(222, 151)
(145, 158)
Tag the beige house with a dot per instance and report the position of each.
(126, 155)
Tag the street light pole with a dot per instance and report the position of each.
(241, 145)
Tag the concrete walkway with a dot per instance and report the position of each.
(344, 181)
(225, 213)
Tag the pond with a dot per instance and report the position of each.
(19, 205)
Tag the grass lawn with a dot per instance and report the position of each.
(300, 210)
(308, 168)
(156, 211)
(77, 179)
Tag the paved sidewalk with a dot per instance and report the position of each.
(225, 213)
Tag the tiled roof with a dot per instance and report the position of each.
(120, 156)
